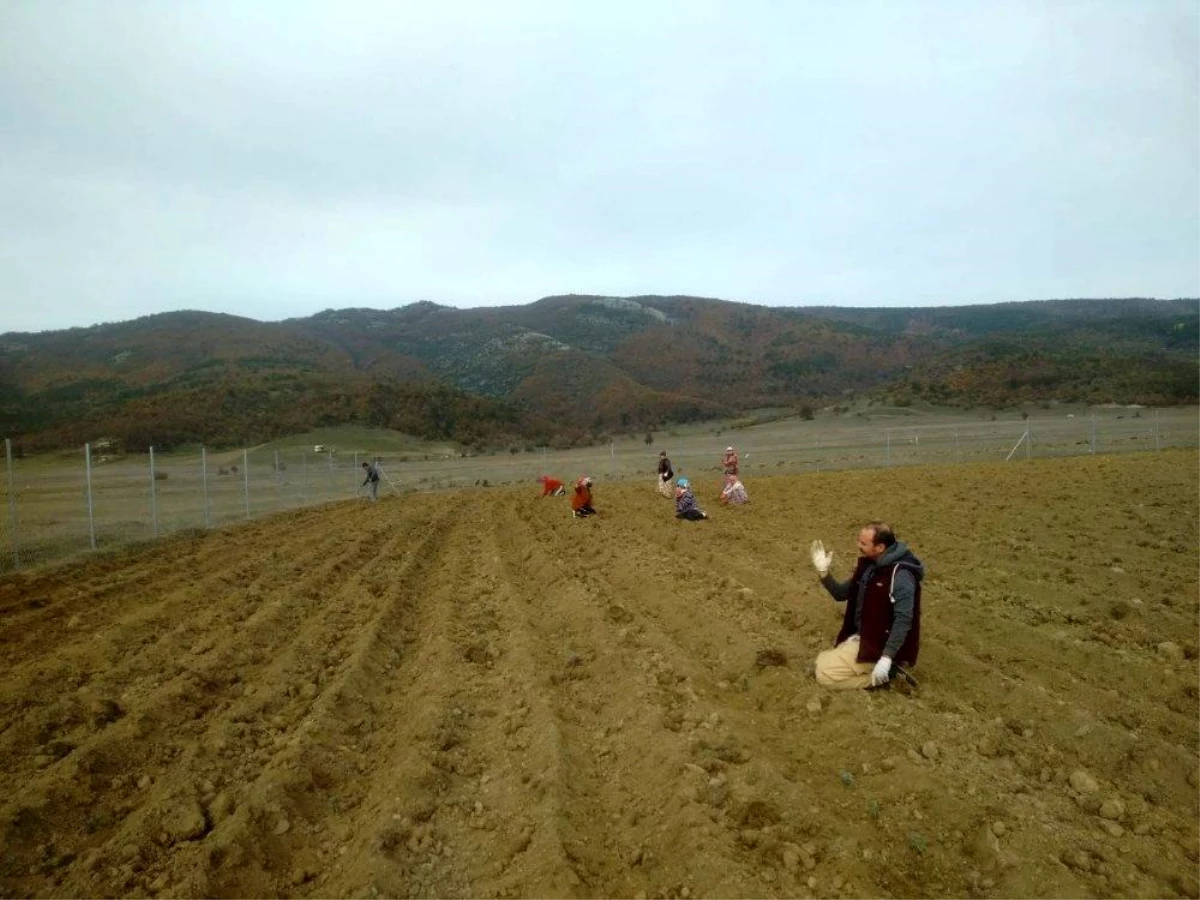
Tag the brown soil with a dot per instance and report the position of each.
(472, 694)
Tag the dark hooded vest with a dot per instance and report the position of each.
(877, 614)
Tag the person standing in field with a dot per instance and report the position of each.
(551, 487)
(371, 482)
(581, 498)
(729, 462)
(685, 502)
(665, 474)
(882, 622)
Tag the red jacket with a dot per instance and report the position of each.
(582, 496)
(729, 462)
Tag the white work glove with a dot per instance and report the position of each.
(882, 671)
(821, 559)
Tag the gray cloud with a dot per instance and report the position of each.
(276, 159)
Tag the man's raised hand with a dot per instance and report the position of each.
(821, 559)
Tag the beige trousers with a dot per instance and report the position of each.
(838, 668)
(665, 487)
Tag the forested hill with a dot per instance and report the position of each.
(569, 369)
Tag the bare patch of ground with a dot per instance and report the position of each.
(472, 694)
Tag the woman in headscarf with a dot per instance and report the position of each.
(734, 491)
(581, 498)
(729, 462)
(685, 502)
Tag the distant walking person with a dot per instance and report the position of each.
(581, 499)
(371, 482)
(665, 474)
(882, 622)
(729, 462)
(551, 487)
(685, 502)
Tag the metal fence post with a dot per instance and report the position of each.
(957, 451)
(87, 456)
(303, 479)
(332, 483)
(887, 453)
(12, 503)
(204, 482)
(1093, 432)
(153, 496)
(1017, 446)
(1156, 443)
(1029, 442)
(246, 479)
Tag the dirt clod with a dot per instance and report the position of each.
(1083, 782)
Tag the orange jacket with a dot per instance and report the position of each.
(582, 496)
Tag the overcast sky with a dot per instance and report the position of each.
(276, 159)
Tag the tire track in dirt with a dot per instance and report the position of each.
(658, 677)
(109, 651)
(110, 597)
(494, 779)
(452, 800)
(605, 695)
(105, 649)
(231, 684)
(484, 809)
(334, 763)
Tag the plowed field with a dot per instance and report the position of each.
(473, 694)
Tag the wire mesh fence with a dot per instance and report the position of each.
(800, 447)
(91, 499)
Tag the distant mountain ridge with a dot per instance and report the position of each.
(567, 369)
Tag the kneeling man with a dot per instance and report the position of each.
(882, 622)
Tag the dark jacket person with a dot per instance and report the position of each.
(882, 620)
